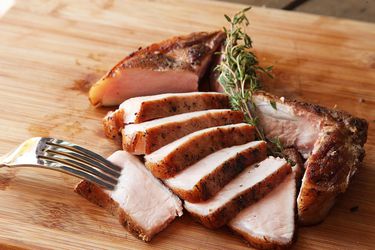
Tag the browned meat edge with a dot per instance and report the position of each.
(357, 126)
(163, 135)
(217, 179)
(194, 41)
(228, 211)
(198, 148)
(265, 244)
(96, 195)
(113, 122)
(262, 244)
(172, 106)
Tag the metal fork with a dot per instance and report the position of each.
(62, 156)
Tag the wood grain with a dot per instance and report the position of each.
(52, 50)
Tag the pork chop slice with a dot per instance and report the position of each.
(146, 137)
(182, 153)
(332, 142)
(146, 108)
(142, 203)
(270, 222)
(174, 66)
(249, 186)
(205, 178)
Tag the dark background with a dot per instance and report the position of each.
(362, 10)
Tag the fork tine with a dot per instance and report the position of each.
(79, 173)
(84, 159)
(72, 163)
(78, 149)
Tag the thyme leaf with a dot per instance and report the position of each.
(273, 104)
(239, 74)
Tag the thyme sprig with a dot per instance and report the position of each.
(239, 74)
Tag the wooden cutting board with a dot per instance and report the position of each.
(51, 51)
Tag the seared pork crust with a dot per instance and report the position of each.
(212, 183)
(173, 65)
(159, 136)
(197, 148)
(177, 53)
(113, 122)
(170, 105)
(224, 214)
(262, 244)
(336, 156)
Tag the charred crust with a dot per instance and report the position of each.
(221, 138)
(337, 156)
(333, 155)
(332, 117)
(212, 183)
(197, 52)
(154, 55)
(262, 243)
(341, 144)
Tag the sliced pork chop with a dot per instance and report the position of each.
(141, 202)
(332, 141)
(205, 178)
(146, 108)
(270, 222)
(178, 155)
(146, 137)
(174, 65)
(249, 186)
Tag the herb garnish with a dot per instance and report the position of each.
(273, 105)
(239, 74)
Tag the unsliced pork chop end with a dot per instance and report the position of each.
(328, 173)
(336, 157)
(331, 140)
(314, 205)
